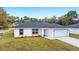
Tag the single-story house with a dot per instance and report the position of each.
(47, 30)
(74, 28)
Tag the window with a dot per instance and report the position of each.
(21, 31)
(34, 31)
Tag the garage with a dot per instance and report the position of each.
(74, 30)
(61, 32)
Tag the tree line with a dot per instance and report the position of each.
(7, 20)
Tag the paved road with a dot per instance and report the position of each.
(70, 40)
(3, 31)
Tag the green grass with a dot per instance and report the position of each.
(74, 35)
(9, 43)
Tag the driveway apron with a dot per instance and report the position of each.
(70, 40)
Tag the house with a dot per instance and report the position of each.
(47, 30)
(74, 28)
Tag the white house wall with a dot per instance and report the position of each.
(49, 33)
(74, 30)
(40, 32)
(27, 32)
(16, 31)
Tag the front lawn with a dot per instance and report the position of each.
(74, 35)
(9, 43)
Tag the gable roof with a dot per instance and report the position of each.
(73, 26)
(37, 25)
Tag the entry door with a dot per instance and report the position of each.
(45, 32)
(61, 33)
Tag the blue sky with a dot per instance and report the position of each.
(39, 12)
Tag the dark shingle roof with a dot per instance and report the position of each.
(37, 25)
(73, 26)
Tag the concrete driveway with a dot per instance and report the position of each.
(70, 40)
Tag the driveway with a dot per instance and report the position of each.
(70, 40)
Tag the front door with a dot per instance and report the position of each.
(45, 32)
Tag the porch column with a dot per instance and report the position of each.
(42, 32)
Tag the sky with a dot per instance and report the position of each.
(39, 12)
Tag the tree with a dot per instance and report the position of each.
(26, 18)
(17, 19)
(33, 20)
(63, 21)
(12, 19)
(21, 20)
(71, 15)
(40, 20)
(45, 19)
(4, 18)
(68, 18)
(53, 19)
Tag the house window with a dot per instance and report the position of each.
(21, 31)
(34, 31)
